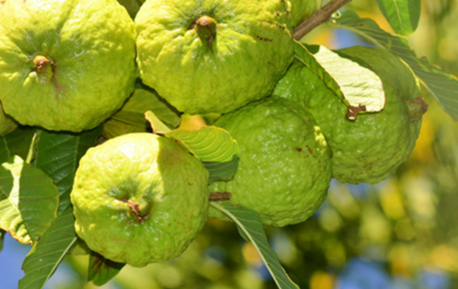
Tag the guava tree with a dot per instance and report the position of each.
(99, 152)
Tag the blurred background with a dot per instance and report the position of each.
(398, 234)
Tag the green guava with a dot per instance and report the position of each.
(301, 10)
(213, 55)
(371, 147)
(139, 198)
(7, 124)
(284, 169)
(65, 65)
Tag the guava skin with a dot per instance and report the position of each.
(284, 169)
(65, 65)
(373, 146)
(237, 58)
(301, 10)
(139, 198)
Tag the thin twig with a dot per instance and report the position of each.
(317, 18)
(220, 196)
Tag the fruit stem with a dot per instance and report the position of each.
(205, 27)
(43, 65)
(137, 210)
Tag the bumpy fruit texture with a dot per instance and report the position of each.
(139, 198)
(213, 55)
(7, 124)
(302, 9)
(371, 147)
(65, 65)
(284, 169)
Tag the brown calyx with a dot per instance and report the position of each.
(135, 210)
(417, 108)
(353, 111)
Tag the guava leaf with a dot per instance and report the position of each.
(442, 86)
(28, 200)
(131, 117)
(2, 237)
(222, 171)
(132, 6)
(250, 224)
(102, 270)
(355, 84)
(16, 143)
(403, 15)
(58, 155)
(156, 124)
(209, 143)
(48, 253)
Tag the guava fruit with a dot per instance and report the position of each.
(302, 9)
(284, 169)
(7, 124)
(65, 65)
(213, 56)
(139, 198)
(371, 147)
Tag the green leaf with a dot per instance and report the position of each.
(442, 86)
(209, 144)
(222, 171)
(16, 143)
(2, 237)
(102, 270)
(358, 85)
(250, 224)
(28, 200)
(156, 124)
(403, 15)
(58, 155)
(48, 253)
(131, 117)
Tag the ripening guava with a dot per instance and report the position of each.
(65, 64)
(302, 9)
(7, 124)
(371, 147)
(139, 198)
(284, 169)
(213, 55)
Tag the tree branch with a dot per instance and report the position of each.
(317, 18)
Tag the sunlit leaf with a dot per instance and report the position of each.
(28, 200)
(209, 144)
(403, 15)
(48, 253)
(102, 270)
(250, 224)
(356, 84)
(58, 155)
(442, 86)
(222, 171)
(156, 124)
